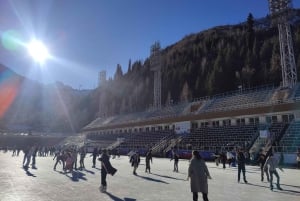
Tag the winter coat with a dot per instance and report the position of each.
(241, 158)
(135, 160)
(106, 165)
(198, 174)
(271, 163)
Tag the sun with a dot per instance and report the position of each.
(38, 51)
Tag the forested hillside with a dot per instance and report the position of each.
(201, 64)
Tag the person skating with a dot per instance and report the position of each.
(95, 154)
(272, 164)
(176, 159)
(135, 161)
(81, 159)
(60, 158)
(223, 159)
(263, 170)
(198, 174)
(241, 165)
(148, 158)
(106, 168)
(33, 164)
(298, 158)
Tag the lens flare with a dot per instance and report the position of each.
(9, 89)
(11, 40)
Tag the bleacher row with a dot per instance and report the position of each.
(209, 138)
(285, 136)
(248, 98)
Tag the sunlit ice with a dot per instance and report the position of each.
(38, 51)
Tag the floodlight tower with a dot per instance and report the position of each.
(101, 83)
(280, 11)
(155, 65)
(101, 78)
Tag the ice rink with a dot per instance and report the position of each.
(45, 184)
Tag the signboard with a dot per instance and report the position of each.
(182, 127)
(263, 133)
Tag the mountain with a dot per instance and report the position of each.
(210, 62)
(29, 106)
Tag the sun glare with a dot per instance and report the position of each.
(38, 51)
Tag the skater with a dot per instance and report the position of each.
(69, 162)
(135, 161)
(106, 168)
(263, 170)
(28, 157)
(25, 151)
(35, 150)
(148, 159)
(223, 159)
(229, 157)
(176, 159)
(60, 158)
(95, 154)
(298, 158)
(198, 174)
(74, 157)
(272, 164)
(81, 159)
(241, 165)
(217, 157)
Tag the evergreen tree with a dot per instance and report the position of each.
(118, 73)
(250, 31)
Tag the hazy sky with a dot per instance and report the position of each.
(87, 36)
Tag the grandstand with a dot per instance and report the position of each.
(290, 142)
(9, 140)
(220, 122)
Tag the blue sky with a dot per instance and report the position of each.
(87, 36)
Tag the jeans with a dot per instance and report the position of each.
(271, 178)
(103, 177)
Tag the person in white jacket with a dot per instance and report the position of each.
(272, 163)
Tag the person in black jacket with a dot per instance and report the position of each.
(95, 154)
(223, 159)
(135, 161)
(148, 159)
(35, 150)
(176, 159)
(241, 164)
(106, 168)
(261, 160)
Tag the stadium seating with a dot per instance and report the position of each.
(145, 140)
(223, 137)
(290, 141)
(207, 138)
(240, 99)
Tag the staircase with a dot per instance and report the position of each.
(173, 143)
(158, 147)
(116, 144)
(257, 145)
(275, 139)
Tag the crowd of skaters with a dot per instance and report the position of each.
(67, 157)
